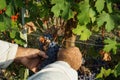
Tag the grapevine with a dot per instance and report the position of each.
(91, 25)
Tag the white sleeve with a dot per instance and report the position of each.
(7, 53)
(58, 70)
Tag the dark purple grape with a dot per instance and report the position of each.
(52, 55)
(52, 50)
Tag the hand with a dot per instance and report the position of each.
(29, 57)
(72, 56)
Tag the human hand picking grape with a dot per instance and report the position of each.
(29, 57)
(65, 68)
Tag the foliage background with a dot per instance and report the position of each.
(84, 23)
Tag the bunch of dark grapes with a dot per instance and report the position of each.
(51, 48)
(94, 65)
(87, 77)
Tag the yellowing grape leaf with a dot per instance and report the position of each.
(83, 32)
(106, 56)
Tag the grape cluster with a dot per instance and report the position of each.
(87, 77)
(94, 64)
(51, 51)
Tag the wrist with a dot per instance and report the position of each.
(19, 53)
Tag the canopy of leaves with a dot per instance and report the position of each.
(87, 15)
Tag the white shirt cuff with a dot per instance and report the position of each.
(7, 53)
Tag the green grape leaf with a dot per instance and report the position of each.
(1, 18)
(82, 31)
(44, 10)
(9, 10)
(110, 23)
(117, 70)
(107, 72)
(2, 4)
(56, 10)
(110, 45)
(2, 26)
(101, 19)
(109, 6)
(106, 18)
(19, 3)
(100, 75)
(62, 8)
(83, 16)
(12, 34)
(67, 12)
(104, 72)
(92, 14)
(7, 22)
(56, 1)
(19, 41)
(14, 25)
(99, 5)
(4, 23)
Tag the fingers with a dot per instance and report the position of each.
(42, 54)
(35, 67)
(32, 64)
(33, 53)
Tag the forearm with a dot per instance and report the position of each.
(7, 53)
